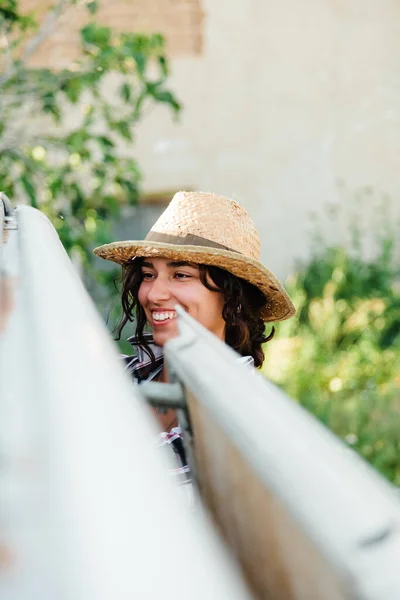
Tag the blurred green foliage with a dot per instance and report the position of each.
(340, 356)
(66, 136)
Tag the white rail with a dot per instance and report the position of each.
(87, 510)
(305, 515)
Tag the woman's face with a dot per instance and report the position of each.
(167, 283)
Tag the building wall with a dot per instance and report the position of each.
(180, 21)
(288, 107)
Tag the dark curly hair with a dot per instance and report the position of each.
(245, 329)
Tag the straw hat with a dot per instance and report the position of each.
(208, 229)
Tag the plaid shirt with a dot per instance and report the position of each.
(141, 370)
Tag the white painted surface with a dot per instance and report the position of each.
(344, 508)
(87, 508)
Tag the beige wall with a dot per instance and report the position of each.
(291, 105)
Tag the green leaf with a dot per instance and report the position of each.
(105, 141)
(27, 22)
(96, 35)
(125, 92)
(130, 189)
(162, 61)
(77, 197)
(77, 140)
(73, 89)
(55, 186)
(141, 61)
(92, 7)
(50, 106)
(29, 188)
(123, 128)
(157, 41)
(10, 15)
(113, 205)
(166, 97)
(109, 158)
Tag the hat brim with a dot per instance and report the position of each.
(278, 305)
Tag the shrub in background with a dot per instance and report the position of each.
(340, 356)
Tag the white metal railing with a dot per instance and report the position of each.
(87, 509)
(306, 516)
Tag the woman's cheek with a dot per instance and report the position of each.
(142, 294)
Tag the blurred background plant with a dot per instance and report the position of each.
(68, 158)
(340, 357)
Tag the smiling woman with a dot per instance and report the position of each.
(224, 304)
(169, 283)
(203, 255)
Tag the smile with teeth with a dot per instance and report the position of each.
(164, 316)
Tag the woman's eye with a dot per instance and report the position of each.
(182, 276)
(147, 276)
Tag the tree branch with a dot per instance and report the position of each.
(43, 33)
(5, 47)
(45, 29)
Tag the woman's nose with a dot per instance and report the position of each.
(159, 290)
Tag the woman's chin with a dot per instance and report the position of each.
(163, 335)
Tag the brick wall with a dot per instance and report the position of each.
(180, 21)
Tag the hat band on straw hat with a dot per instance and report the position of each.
(188, 239)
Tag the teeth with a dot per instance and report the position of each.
(157, 316)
